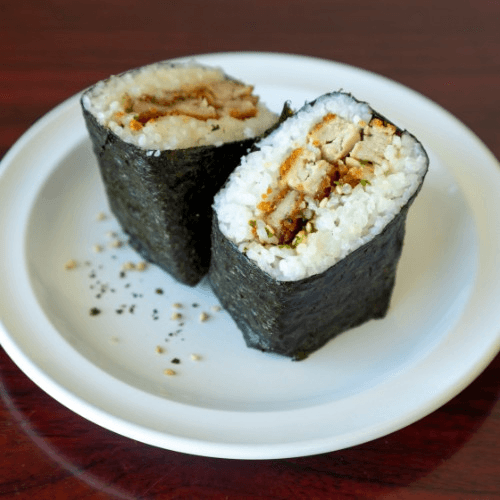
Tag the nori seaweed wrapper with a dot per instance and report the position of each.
(296, 318)
(164, 202)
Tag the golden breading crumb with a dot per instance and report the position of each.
(135, 125)
(71, 264)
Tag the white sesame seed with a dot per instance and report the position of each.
(169, 372)
(116, 244)
(71, 264)
(176, 316)
(141, 266)
(195, 357)
(204, 316)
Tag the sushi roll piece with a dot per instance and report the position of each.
(309, 228)
(166, 136)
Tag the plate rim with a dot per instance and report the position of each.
(197, 446)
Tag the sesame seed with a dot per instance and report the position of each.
(71, 264)
(177, 305)
(116, 244)
(141, 266)
(97, 248)
(216, 308)
(195, 357)
(204, 316)
(128, 266)
(176, 316)
(159, 349)
(111, 234)
(169, 372)
(101, 216)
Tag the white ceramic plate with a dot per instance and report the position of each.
(441, 331)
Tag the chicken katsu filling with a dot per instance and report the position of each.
(210, 101)
(337, 156)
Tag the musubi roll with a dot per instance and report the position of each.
(309, 228)
(166, 137)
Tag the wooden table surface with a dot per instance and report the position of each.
(448, 51)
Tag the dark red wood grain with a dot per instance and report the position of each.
(448, 51)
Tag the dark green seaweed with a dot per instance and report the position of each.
(164, 203)
(295, 318)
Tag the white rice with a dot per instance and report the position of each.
(347, 219)
(103, 100)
